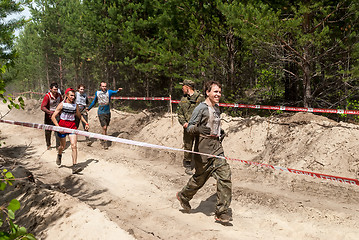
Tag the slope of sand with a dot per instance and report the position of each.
(129, 192)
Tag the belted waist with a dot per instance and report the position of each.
(209, 136)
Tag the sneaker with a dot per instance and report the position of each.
(76, 169)
(223, 217)
(184, 203)
(188, 171)
(104, 144)
(89, 143)
(58, 159)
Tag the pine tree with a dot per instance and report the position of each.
(7, 51)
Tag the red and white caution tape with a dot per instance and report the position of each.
(301, 172)
(296, 109)
(350, 181)
(237, 105)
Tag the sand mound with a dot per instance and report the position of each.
(134, 188)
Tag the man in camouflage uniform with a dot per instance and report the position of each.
(187, 104)
(205, 121)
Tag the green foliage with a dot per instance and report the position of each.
(6, 179)
(7, 214)
(352, 105)
(9, 99)
(30, 60)
(267, 84)
(304, 35)
(8, 7)
(7, 57)
(298, 52)
(7, 52)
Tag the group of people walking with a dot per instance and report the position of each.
(199, 116)
(71, 109)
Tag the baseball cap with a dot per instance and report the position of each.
(188, 82)
(69, 89)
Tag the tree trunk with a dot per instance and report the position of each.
(47, 70)
(306, 62)
(114, 82)
(307, 95)
(61, 74)
(290, 83)
(171, 86)
(231, 51)
(78, 66)
(147, 85)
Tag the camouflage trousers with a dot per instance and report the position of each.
(188, 141)
(220, 170)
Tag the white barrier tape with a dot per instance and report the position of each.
(149, 145)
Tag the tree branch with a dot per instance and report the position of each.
(290, 48)
(325, 19)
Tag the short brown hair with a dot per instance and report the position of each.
(80, 85)
(208, 86)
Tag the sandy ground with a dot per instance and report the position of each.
(128, 192)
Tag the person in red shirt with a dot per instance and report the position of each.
(48, 105)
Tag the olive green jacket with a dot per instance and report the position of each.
(187, 105)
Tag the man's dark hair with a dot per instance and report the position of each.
(80, 85)
(208, 86)
(54, 85)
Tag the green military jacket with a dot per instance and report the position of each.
(187, 105)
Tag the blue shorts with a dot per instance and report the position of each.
(62, 135)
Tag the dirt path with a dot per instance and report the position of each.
(133, 188)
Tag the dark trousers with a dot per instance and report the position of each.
(48, 133)
(220, 170)
(77, 122)
(211, 166)
(189, 143)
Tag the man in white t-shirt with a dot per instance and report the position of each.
(82, 101)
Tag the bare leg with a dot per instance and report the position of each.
(62, 145)
(60, 150)
(73, 141)
(104, 130)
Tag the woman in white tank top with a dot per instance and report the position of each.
(67, 110)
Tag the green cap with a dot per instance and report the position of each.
(188, 82)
